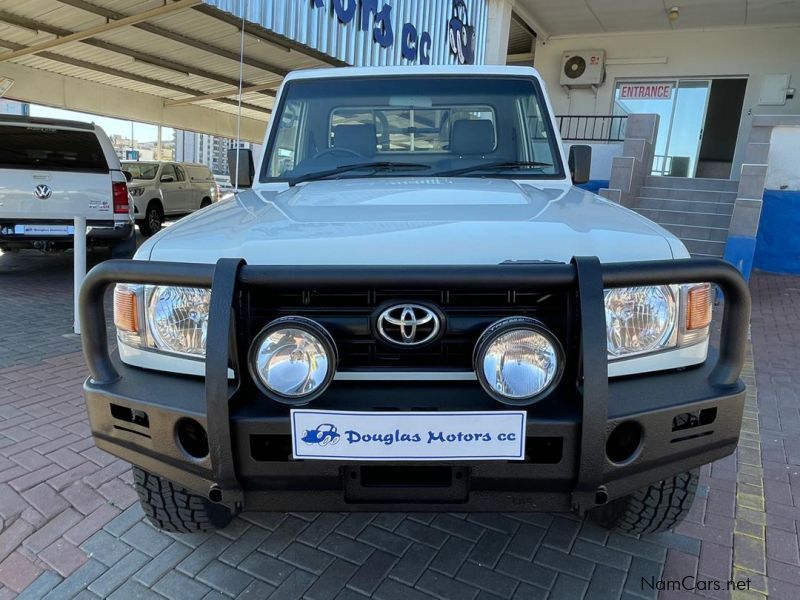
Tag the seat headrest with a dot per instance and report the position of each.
(472, 136)
(359, 138)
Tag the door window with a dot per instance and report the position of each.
(181, 173)
(287, 140)
(169, 171)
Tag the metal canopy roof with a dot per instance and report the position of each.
(174, 63)
(578, 17)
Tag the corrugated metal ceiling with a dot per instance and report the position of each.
(174, 56)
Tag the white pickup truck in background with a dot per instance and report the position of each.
(52, 171)
(168, 189)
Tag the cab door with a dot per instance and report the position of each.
(191, 195)
(173, 190)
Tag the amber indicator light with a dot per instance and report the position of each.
(125, 310)
(698, 307)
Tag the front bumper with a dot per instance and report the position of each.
(271, 480)
(684, 418)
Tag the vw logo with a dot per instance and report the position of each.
(408, 324)
(42, 192)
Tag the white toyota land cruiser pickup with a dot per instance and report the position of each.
(413, 309)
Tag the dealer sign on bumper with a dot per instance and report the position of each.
(408, 436)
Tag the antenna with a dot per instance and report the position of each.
(239, 109)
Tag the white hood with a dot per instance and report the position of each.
(413, 221)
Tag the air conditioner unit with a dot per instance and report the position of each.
(583, 68)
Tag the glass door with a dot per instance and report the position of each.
(652, 97)
(681, 105)
(686, 128)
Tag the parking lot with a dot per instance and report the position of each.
(71, 525)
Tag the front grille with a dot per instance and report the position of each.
(350, 318)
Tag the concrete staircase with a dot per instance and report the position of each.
(698, 211)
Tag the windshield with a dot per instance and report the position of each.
(412, 126)
(141, 170)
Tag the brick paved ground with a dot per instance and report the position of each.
(776, 341)
(69, 525)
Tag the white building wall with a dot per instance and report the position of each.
(784, 159)
(185, 146)
(209, 150)
(751, 52)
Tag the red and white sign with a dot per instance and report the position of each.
(645, 91)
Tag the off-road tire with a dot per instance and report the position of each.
(658, 507)
(153, 219)
(172, 508)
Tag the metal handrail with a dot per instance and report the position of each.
(592, 128)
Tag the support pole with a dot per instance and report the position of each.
(79, 268)
(497, 30)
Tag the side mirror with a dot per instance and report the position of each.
(128, 176)
(167, 179)
(580, 163)
(243, 157)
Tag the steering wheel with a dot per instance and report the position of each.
(332, 151)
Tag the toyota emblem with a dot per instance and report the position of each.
(409, 324)
(42, 192)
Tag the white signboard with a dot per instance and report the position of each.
(44, 229)
(646, 91)
(411, 436)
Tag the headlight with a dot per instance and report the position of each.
(643, 320)
(640, 319)
(293, 360)
(163, 318)
(136, 191)
(177, 319)
(517, 360)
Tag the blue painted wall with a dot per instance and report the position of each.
(778, 242)
(593, 185)
(739, 251)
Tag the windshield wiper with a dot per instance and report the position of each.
(384, 165)
(493, 166)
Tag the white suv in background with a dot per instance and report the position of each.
(168, 189)
(52, 171)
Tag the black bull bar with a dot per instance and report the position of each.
(584, 275)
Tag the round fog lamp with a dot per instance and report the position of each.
(293, 360)
(517, 360)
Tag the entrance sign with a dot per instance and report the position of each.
(646, 91)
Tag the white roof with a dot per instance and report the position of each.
(406, 70)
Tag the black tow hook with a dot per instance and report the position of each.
(215, 493)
